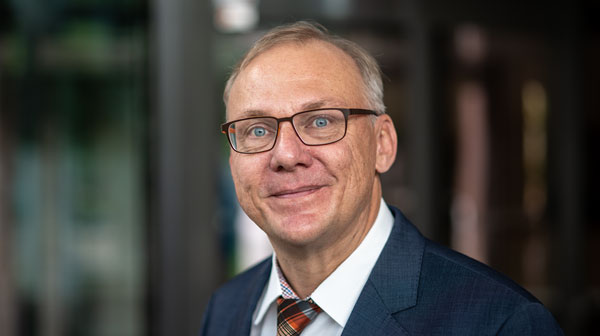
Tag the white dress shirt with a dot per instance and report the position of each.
(337, 294)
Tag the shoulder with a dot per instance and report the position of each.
(482, 296)
(459, 295)
(444, 269)
(443, 266)
(231, 305)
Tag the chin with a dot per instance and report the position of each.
(299, 230)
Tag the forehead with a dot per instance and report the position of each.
(289, 77)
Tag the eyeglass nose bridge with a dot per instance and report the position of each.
(291, 121)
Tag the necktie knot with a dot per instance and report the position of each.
(293, 315)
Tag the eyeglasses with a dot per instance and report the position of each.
(314, 128)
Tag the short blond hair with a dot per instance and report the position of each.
(302, 32)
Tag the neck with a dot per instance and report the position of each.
(306, 267)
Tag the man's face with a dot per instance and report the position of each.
(305, 195)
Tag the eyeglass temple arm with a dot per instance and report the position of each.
(224, 130)
(361, 111)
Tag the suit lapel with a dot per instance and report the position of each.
(392, 285)
(248, 299)
(375, 319)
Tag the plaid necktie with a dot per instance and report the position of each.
(294, 314)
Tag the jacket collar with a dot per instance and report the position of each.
(248, 299)
(393, 283)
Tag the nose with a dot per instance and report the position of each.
(289, 152)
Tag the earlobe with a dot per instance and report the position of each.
(387, 143)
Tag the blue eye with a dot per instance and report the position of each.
(321, 122)
(259, 131)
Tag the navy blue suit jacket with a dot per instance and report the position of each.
(416, 288)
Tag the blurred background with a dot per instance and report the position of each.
(117, 211)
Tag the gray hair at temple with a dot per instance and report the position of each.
(302, 32)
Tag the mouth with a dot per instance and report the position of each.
(296, 192)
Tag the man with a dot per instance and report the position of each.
(309, 138)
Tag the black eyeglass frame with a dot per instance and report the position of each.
(346, 111)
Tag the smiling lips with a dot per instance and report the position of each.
(296, 192)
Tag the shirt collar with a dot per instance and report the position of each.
(271, 293)
(336, 295)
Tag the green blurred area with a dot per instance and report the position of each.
(73, 98)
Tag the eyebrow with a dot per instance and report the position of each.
(254, 113)
(318, 104)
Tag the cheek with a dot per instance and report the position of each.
(249, 173)
(344, 162)
(362, 164)
(241, 174)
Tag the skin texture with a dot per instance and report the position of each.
(315, 203)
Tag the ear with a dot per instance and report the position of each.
(387, 143)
